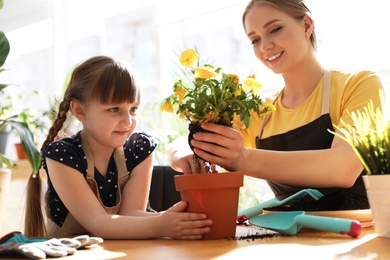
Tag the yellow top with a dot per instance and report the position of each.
(349, 92)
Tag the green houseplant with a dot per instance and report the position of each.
(207, 94)
(18, 104)
(370, 138)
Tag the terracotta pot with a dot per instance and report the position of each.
(20, 152)
(378, 193)
(215, 194)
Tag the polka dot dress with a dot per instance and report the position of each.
(69, 152)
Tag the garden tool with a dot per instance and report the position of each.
(250, 212)
(290, 223)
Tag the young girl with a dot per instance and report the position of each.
(295, 150)
(99, 178)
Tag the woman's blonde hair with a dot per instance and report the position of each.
(102, 79)
(294, 8)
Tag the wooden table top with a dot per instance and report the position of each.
(307, 244)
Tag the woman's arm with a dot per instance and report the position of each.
(337, 166)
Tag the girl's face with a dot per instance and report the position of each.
(279, 41)
(110, 124)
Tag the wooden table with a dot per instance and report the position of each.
(308, 244)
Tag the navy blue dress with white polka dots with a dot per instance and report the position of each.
(69, 152)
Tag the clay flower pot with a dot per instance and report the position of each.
(215, 194)
(20, 152)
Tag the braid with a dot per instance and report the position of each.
(34, 219)
(57, 124)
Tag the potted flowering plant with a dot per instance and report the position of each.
(209, 95)
(212, 95)
(369, 136)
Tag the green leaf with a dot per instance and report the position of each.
(4, 48)
(26, 138)
(6, 161)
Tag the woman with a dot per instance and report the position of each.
(295, 150)
(99, 178)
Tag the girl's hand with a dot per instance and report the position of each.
(178, 224)
(222, 146)
(190, 165)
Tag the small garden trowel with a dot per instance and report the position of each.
(290, 223)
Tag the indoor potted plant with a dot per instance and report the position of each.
(207, 94)
(370, 138)
(14, 123)
(35, 119)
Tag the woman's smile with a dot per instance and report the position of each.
(274, 58)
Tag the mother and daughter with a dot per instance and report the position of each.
(99, 178)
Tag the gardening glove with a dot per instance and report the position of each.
(86, 241)
(15, 243)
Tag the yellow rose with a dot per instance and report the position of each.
(204, 73)
(167, 106)
(188, 57)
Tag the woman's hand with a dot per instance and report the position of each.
(222, 146)
(177, 224)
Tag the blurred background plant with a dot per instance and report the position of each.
(21, 105)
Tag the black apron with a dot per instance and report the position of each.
(312, 136)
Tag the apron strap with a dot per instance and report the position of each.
(119, 157)
(326, 92)
(88, 156)
(325, 96)
(120, 161)
(267, 116)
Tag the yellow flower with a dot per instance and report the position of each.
(167, 106)
(267, 106)
(179, 92)
(237, 92)
(252, 83)
(236, 78)
(188, 57)
(204, 73)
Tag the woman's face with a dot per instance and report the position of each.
(279, 41)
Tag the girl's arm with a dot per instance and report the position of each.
(337, 166)
(135, 193)
(85, 207)
(181, 157)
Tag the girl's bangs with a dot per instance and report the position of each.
(115, 85)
